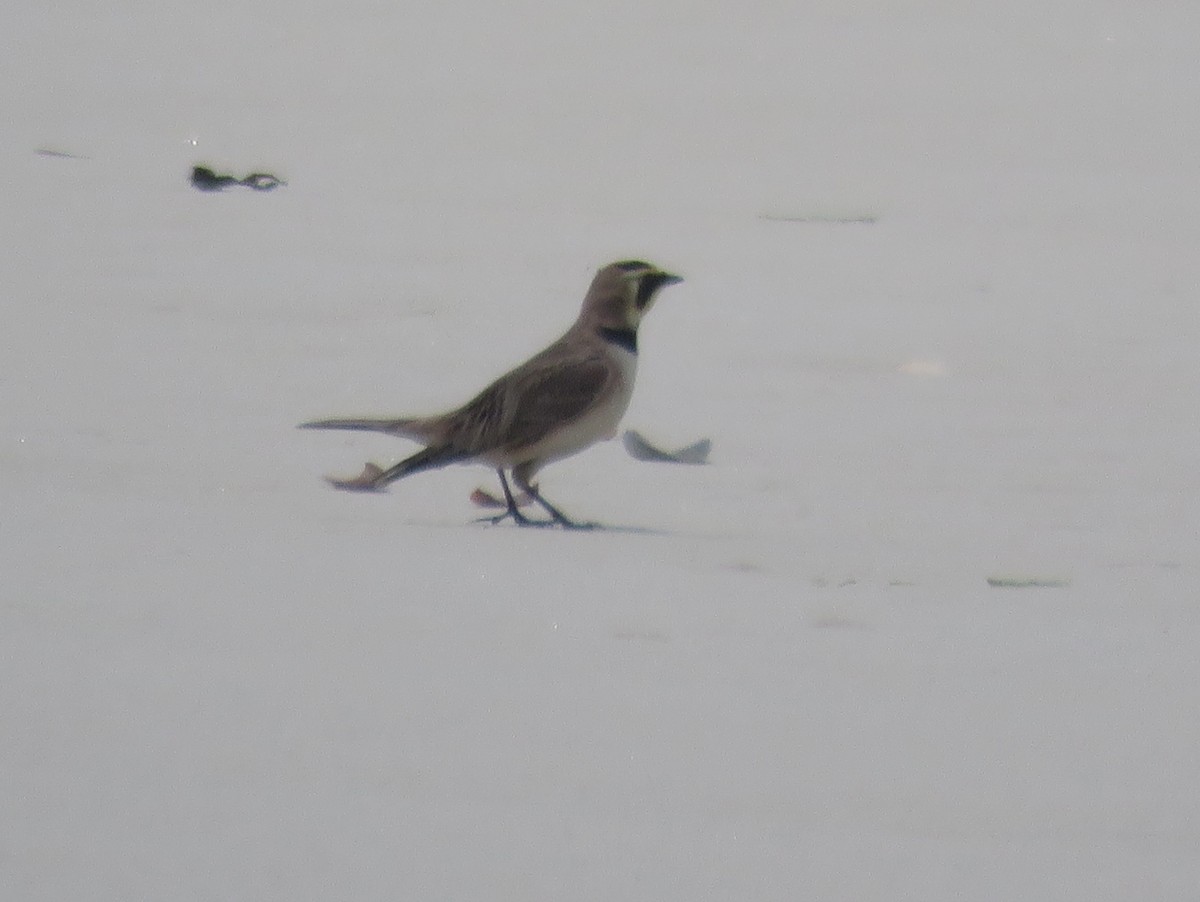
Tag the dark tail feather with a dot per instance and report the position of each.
(374, 479)
(426, 459)
(391, 427)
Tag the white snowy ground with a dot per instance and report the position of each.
(219, 679)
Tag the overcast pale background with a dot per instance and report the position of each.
(940, 323)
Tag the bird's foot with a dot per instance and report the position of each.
(517, 517)
(512, 504)
(562, 522)
(558, 517)
(521, 520)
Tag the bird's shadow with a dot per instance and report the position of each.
(585, 528)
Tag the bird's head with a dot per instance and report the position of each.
(622, 293)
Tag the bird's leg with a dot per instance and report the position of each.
(513, 510)
(558, 516)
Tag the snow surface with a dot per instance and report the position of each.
(940, 323)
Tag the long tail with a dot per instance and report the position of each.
(406, 427)
(364, 424)
(374, 478)
(426, 459)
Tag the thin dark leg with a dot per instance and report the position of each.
(513, 510)
(558, 516)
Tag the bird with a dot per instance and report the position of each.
(557, 403)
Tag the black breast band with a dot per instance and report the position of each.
(622, 338)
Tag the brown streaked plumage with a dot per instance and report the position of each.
(559, 402)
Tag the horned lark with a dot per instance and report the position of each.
(559, 402)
